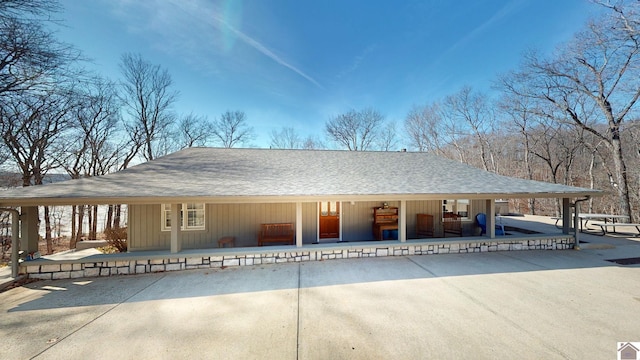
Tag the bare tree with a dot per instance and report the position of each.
(286, 138)
(313, 143)
(519, 110)
(21, 9)
(388, 138)
(148, 98)
(355, 130)
(34, 67)
(90, 148)
(598, 69)
(424, 127)
(472, 112)
(30, 127)
(193, 130)
(31, 58)
(232, 129)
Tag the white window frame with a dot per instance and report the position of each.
(452, 204)
(193, 210)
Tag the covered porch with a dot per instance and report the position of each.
(183, 204)
(91, 263)
(210, 225)
(152, 248)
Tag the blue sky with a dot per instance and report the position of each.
(297, 63)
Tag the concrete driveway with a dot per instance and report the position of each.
(529, 304)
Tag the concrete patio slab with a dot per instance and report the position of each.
(528, 304)
(195, 314)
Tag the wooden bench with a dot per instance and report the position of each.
(227, 240)
(276, 233)
(606, 225)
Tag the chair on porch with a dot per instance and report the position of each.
(481, 219)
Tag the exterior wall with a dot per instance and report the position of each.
(309, 222)
(143, 226)
(357, 219)
(239, 220)
(434, 207)
(44, 269)
(243, 222)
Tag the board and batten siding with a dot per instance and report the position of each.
(243, 222)
(309, 222)
(357, 219)
(144, 228)
(434, 207)
(239, 220)
(431, 207)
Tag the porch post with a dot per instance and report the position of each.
(340, 203)
(491, 211)
(176, 243)
(29, 220)
(15, 241)
(576, 225)
(566, 215)
(299, 224)
(402, 224)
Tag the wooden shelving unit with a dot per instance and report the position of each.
(384, 218)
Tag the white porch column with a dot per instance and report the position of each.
(299, 224)
(341, 203)
(402, 222)
(15, 241)
(566, 215)
(491, 211)
(176, 241)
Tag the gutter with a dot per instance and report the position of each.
(15, 230)
(576, 220)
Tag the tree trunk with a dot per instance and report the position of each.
(621, 178)
(592, 178)
(78, 235)
(108, 225)
(94, 227)
(47, 232)
(116, 218)
(90, 235)
(527, 163)
(72, 240)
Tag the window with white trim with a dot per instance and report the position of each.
(459, 207)
(194, 219)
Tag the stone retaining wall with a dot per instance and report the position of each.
(79, 268)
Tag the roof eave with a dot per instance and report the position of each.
(67, 201)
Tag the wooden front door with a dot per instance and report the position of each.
(329, 219)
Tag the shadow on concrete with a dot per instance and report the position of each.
(292, 276)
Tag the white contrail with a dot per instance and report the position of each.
(265, 51)
(166, 14)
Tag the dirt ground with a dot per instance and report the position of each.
(59, 244)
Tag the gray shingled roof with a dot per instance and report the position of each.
(215, 174)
